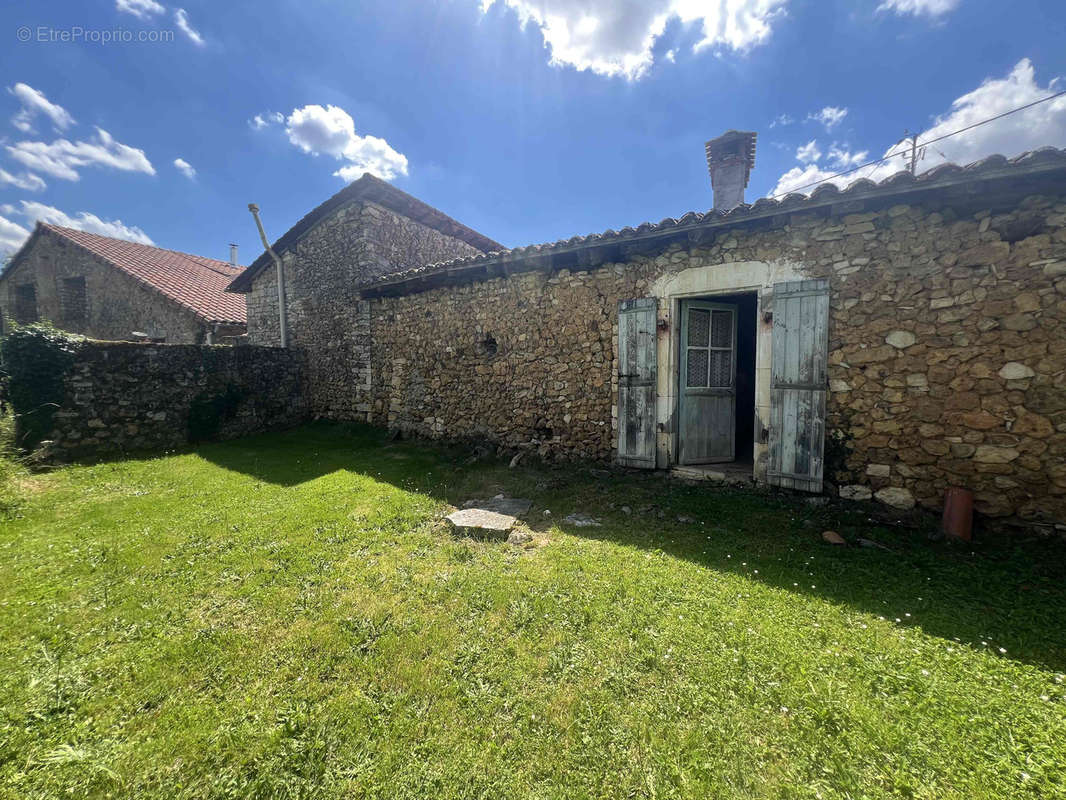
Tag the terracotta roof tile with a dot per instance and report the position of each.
(197, 283)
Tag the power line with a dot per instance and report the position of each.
(923, 144)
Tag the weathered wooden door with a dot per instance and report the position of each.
(708, 385)
(798, 384)
(636, 382)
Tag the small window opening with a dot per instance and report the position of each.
(25, 303)
(73, 301)
(488, 346)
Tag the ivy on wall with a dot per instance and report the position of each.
(36, 359)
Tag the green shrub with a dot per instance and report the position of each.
(35, 359)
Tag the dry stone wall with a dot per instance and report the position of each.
(125, 397)
(947, 349)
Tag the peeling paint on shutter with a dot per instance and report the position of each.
(636, 382)
(798, 384)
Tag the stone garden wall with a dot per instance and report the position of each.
(122, 397)
(947, 349)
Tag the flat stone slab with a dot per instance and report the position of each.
(832, 537)
(480, 522)
(511, 506)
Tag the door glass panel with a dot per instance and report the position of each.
(699, 323)
(722, 329)
(697, 368)
(721, 368)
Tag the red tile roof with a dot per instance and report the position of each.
(197, 283)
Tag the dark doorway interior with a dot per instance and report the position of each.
(747, 308)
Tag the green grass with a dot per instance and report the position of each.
(285, 616)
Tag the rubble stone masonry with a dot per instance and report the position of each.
(947, 349)
(325, 317)
(122, 397)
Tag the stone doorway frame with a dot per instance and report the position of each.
(725, 278)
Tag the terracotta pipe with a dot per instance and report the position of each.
(958, 513)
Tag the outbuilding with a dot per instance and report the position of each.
(890, 340)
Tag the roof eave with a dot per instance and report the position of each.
(899, 186)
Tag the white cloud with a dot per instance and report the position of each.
(142, 9)
(799, 177)
(830, 116)
(181, 19)
(26, 181)
(843, 158)
(616, 37)
(331, 131)
(781, 120)
(12, 235)
(808, 153)
(63, 158)
(34, 103)
(266, 119)
(929, 8)
(83, 221)
(1039, 126)
(185, 168)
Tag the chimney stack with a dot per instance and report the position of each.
(730, 159)
(233, 254)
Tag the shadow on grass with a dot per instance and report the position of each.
(992, 594)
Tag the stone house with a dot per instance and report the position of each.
(113, 289)
(891, 339)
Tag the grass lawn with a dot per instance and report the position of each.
(285, 616)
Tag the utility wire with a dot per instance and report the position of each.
(922, 144)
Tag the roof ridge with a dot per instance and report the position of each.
(372, 189)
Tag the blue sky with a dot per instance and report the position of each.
(529, 120)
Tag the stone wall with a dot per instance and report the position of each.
(115, 304)
(326, 319)
(125, 397)
(947, 349)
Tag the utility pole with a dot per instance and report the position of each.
(916, 152)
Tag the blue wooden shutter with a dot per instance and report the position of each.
(798, 384)
(636, 382)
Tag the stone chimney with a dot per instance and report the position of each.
(730, 159)
(233, 254)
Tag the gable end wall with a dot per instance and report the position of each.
(326, 318)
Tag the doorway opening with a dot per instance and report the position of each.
(716, 382)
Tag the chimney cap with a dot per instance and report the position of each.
(732, 145)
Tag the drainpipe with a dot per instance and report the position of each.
(282, 322)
